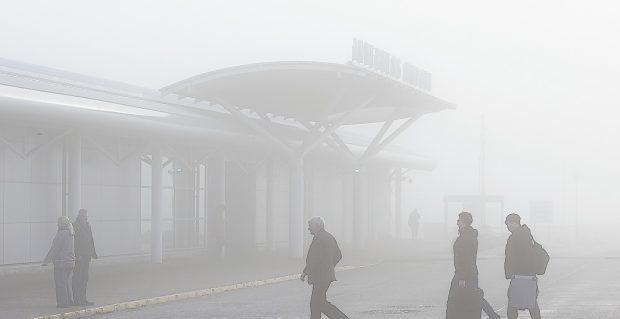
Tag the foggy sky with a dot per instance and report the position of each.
(543, 73)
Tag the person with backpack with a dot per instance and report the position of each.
(520, 266)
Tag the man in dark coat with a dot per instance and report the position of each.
(464, 298)
(84, 252)
(323, 255)
(518, 264)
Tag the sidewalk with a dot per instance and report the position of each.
(30, 293)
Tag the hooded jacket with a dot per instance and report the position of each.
(323, 255)
(465, 253)
(519, 253)
(61, 253)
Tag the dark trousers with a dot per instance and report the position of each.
(451, 311)
(513, 313)
(319, 303)
(64, 297)
(80, 279)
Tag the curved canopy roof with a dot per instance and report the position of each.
(311, 91)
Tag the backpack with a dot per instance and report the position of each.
(540, 258)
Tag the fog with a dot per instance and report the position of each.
(535, 85)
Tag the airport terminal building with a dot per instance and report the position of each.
(269, 142)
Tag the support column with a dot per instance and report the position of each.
(360, 208)
(296, 212)
(398, 201)
(74, 187)
(216, 196)
(270, 207)
(156, 206)
(347, 205)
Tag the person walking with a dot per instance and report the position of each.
(323, 255)
(465, 297)
(62, 255)
(519, 268)
(84, 252)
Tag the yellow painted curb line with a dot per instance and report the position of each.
(174, 297)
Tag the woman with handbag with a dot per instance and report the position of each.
(466, 299)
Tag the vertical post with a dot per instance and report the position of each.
(74, 201)
(347, 205)
(196, 240)
(296, 212)
(398, 201)
(270, 207)
(64, 181)
(205, 207)
(360, 208)
(156, 206)
(216, 188)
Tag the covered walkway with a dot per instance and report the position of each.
(269, 141)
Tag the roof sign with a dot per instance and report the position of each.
(381, 61)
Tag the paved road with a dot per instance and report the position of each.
(573, 288)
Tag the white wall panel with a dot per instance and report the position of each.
(1, 244)
(15, 168)
(3, 150)
(46, 165)
(45, 202)
(91, 163)
(17, 244)
(92, 201)
(116, 237)
(17, 198)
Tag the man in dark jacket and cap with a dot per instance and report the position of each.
(323, 255)
(518, 268)
(465, 303)
(84, 252)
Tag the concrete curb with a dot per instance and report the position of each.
(178, 296)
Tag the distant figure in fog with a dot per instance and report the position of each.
(62, 255)
(465, 298)
(518, 267)
(414, 224)
(323, 255)
(84, 252)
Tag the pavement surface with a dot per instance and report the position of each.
(573, 288)
(412, 285)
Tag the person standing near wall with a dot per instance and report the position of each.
(84, 252)
(62, 255)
